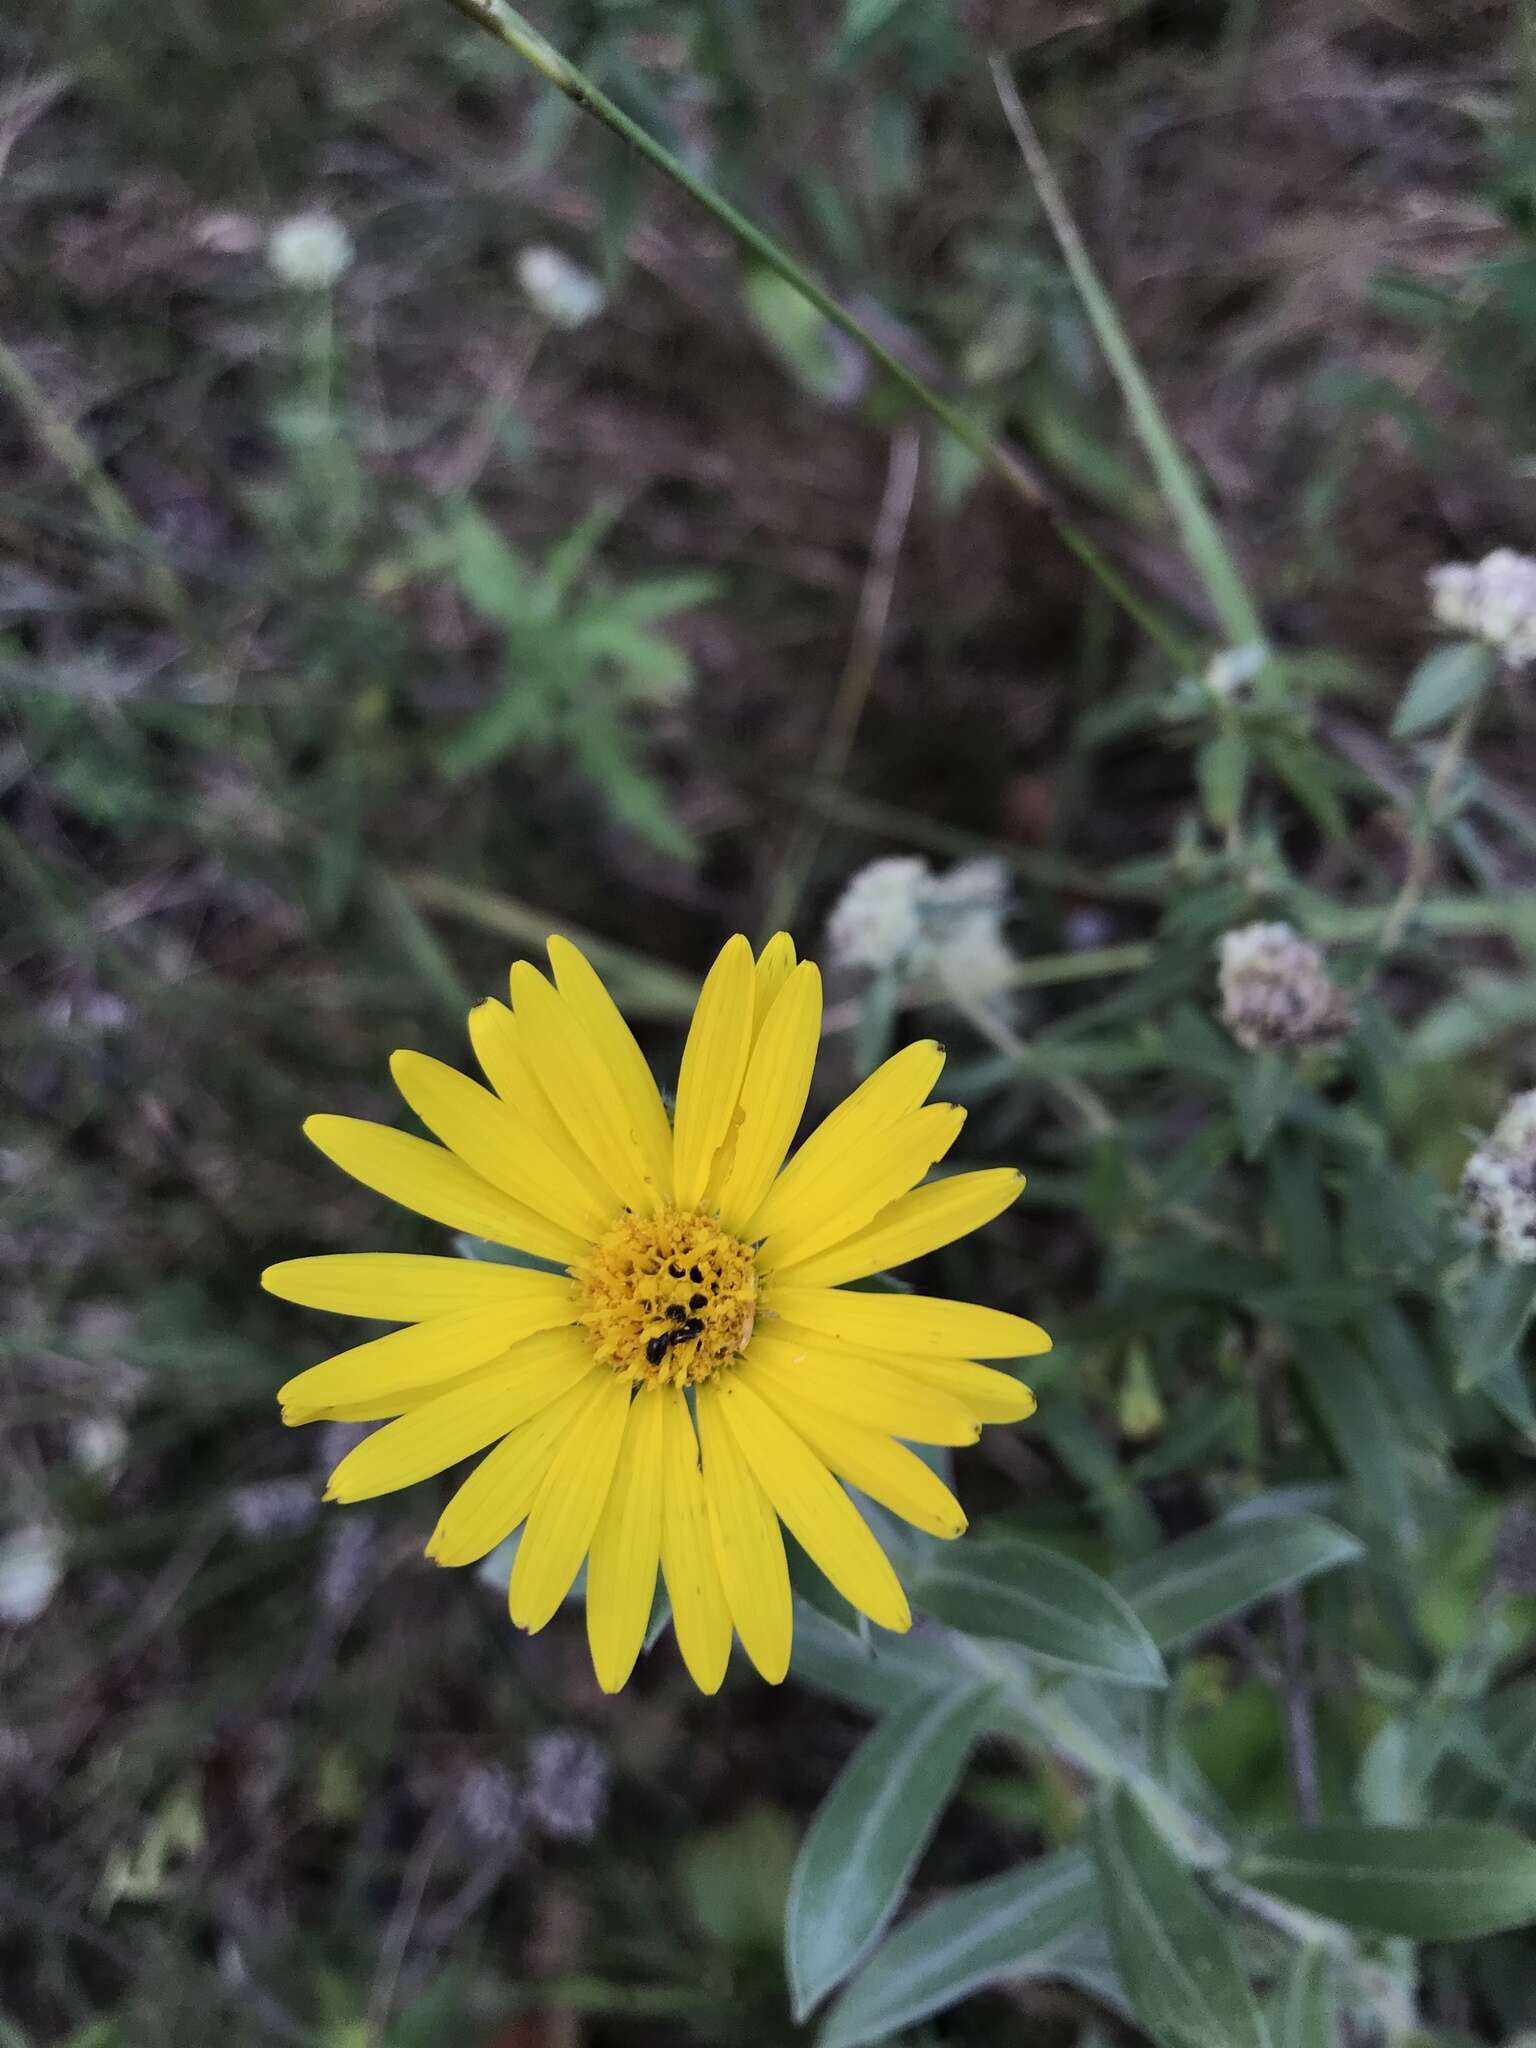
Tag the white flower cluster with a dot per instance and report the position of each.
(898, 917)
(1275, 990)
(1498, 1186)
(1494, 600)
(310, 251)
(560, 290)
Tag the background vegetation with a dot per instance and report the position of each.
(353, 637)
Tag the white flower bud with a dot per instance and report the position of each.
(1498, 1185)
(310, 251)
(31, 1566)
(876, 922)
(560, 290)
(1493, 600)
(1275, 990)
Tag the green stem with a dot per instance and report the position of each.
(508, 26)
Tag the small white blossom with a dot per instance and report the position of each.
(1230, 671)
(31, 1566)
(1494, 600)
(1498, 1186)
(99, 1444)
(311, 251)
(1275, 990)
(564, 293)
(272, 1507)
(567, 1789)
(488, 1803)
(876, 923)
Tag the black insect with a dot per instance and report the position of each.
(682, 1332)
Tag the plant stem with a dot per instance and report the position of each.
(508, 26)
(1421, 852)
(858, 672)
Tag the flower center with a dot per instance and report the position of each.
(668, 1298)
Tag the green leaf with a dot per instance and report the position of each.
(1191, 1586)
(1366, 1432)
(802, 338)
(1010, 1927)
(1492, 1318)
(864, 1843)
(1448, 1880)
(1441, 684)
(1303, 2010)
(1178, 1961)
(1261, 1097)
(1048, 1604)
(1221, 768)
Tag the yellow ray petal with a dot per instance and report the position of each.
(494, 1035)
(855, 1190)
(813, 1507)
(701, 1619)
(429, 1180)
(910, 1227)
(391, 1402)
(585, 1094)
(490, 1139)
(714, 1063)
(748, 1547)
(621, 1572)
(988, 1395)
(888, 1472)
(456, 1424)
(811, 1368)
(497, 1495)
(442, 1349)
(404, 1287)
(908, 1322)
(892, 1091)
(778, 1079)
(581, 985)
(565, 1511)
(774, 966)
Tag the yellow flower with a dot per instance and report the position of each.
(696, 1372)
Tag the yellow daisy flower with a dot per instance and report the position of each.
(696, 1372)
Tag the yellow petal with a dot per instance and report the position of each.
(585, 1094)
(494, 1035)
(621, 1572)
(429, 1180)
(811, 1368)
(497, 1495)
(579, 982)
(566, 1509)
(774, 965)
(748, 1547)
(391, 1401)
(714, 1065)
(988, 1395)
(891, 1092)
(888, 1472)
(701, 1619)
(813, 1507)
(489, 1138)
(456, 1424)
(441, 1349)
(910, 1227)
(908, 1322)
(403, 1287)
(850, 1194)
(778, 1079)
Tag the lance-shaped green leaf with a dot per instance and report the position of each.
(1019, 1925)
(1193, 1585)
(1050, 1605)
(1176, 1958)
(864, 1843)
(1303, 2008)
(1448, 1880)
(1492, 1318)
(1441, 684)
